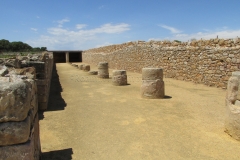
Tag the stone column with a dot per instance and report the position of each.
(232, 123)
(119, 77)
(67, 57)
(103, 70)
(152, 83)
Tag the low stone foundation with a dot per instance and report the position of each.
(19, 124)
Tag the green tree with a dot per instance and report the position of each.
(5, 45)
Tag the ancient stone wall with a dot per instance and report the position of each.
(24, 89)
(43, 67)
(19, 126)
(209, 62)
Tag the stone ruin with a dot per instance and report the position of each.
(24, 89)
(152, 83)
(232, 123)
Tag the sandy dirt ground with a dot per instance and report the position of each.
(90, 119)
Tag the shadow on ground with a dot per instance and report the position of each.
(65, 154)
(55, 102)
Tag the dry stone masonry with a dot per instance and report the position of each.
(210, 62)
(103, 70)
(24, 89)
(19, 126)
(119, 77)
(152, 83)
(232, 124)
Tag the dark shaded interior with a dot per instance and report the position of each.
(75, 57)
(59, 57)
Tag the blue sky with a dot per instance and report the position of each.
(85, 24)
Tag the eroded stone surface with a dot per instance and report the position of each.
(232, 123)
(119, 77)
(103, 70)
(93, 72)
(81, 66)
(152, 89)
(15, 100)
(30, 150)
(86, 68)
(14, 132)
(152, 73)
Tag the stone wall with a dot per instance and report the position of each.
(24, 89)
(209, 62)
(43, 67)
(19, 126)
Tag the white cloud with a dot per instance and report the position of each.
(61, 22)
(34, 29)
(172, 29)
(223, 33)
(80, 38)
(38, 17)
(80, 26)
(104, 44)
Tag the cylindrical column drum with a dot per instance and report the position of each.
(119, 77)
(103, 70)
(152, 83)
(232, 122)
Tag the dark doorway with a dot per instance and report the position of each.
(59, 57)
(75, 56)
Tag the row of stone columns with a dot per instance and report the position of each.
(152, 79)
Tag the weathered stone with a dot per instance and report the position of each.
(119, 77)
(152, 89)
(81, 66)
(152, 73)
(16, 63)
(232, 123)
(30, 150)
(103, 70)
(15, 99)
(93, 72)
(237, 74)
(3, 70)
(86, 68)
(14, 132)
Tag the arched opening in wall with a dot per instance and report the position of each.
(59, 57)
(75, 56)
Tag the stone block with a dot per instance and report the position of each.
(3, 70)
(152, 73)
(14, 132)
(81, 66)
(30, 150)
(15, 100)
(93, 72)
(86, 68)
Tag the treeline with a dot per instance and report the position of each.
(6, 46)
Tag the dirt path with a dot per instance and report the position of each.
(91, 119)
